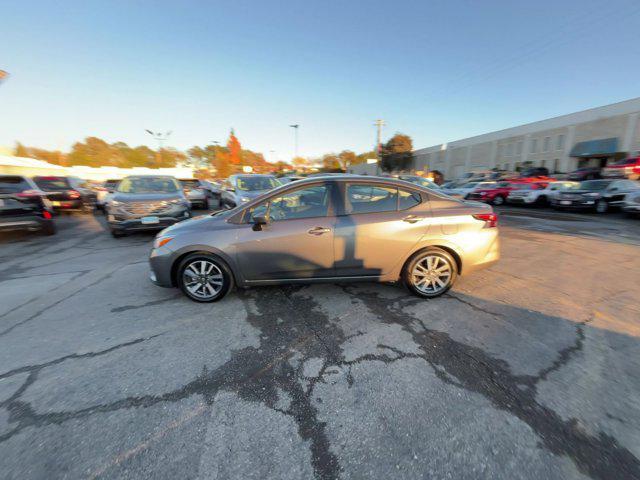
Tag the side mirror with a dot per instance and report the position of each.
(258, 222)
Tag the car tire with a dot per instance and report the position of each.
(541, 201)
(602, 206)
(498, 200)
(433, 263)
(118, 233)
(48, 228)
(211, 277)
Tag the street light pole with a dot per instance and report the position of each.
(160, 138)
(295, 127)
(379, 124)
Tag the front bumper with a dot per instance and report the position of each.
(562, 203)
(630, 207)
(121, 220)
(160, 264)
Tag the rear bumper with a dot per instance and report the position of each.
(22, 223)
(64, 205)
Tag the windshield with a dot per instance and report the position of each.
(255, 183)
(148, 185)
(594, 185)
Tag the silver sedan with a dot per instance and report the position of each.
(329, 229)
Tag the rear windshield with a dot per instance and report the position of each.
(13, 184)
(52, 184)
(594, 185)
(190, 183)
(148, 185)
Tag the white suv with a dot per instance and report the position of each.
(538, 194)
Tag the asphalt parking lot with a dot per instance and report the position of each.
(526, 370)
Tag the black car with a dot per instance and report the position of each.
(67, 193)
(146, 202)
(535, 172)
(23, 206)
(587, 173)
(598, 195)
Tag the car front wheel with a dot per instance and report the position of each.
(602, 206)
(204, 278)
(498, 200)
(430, 273)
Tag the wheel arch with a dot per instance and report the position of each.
(204, 250)
(441, 245)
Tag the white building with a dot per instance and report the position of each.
(587, 138)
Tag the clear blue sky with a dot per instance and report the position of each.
(436, 70)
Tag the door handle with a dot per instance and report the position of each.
(319, 230)
(411, 219)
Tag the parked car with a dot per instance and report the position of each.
(538, 193)
(586, 173)
(418, 180)
(342, 228)
(67, 193)
(494, 194)
(289, 179)
(196, 192)
(631, 203)
(627, 168)
(23, 206)
(461, 191)
(535, 172)
(146, 202)
(105, 192)
(239, 189)
(598, 195)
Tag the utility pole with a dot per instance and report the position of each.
(295, 127)
(379, 124)
(160, 138)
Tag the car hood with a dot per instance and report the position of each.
(145, 197)
(202, 222)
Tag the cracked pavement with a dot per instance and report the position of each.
(526, 370)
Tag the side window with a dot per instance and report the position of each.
(407, 199)
(303, 203)
(368, 198)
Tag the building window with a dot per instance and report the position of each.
(560, 142)
(510, 149)
(534, 145)
(519, 148)
(547, 144)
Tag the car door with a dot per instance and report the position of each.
(377, 226)
(297, 241)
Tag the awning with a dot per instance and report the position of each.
(595, 148)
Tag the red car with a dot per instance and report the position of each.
(629, 168)
(498, 194)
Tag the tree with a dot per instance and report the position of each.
(21, 150)
(234, 148)
(363, 157)
(346, 158)
(331, 163)
(397, 153)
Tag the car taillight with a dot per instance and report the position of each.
(73, 194)
(29, 193)
(490, 219)
(46, 215)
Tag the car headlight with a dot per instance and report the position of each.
(244, 199)
(161, 241)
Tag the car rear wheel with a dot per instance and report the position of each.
(498, 200)
(430, 273)
(48, 228)
(204, 278)
(118, 233)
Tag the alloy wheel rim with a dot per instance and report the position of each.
(203, 279)
(431, 274)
